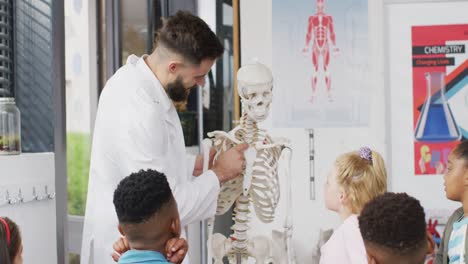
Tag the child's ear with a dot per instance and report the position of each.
(175, 227)
(465, 176)
(430, 243)
(343, 197)
(120, 230)
(371, 259)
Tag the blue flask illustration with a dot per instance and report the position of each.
(436, 122)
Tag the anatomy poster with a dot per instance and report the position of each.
(440, 93)
(320, 63)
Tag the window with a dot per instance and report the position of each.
(81, 82)
(6, 53)
(135, 38)
(34, 88)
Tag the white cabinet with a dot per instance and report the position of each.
(36, 219)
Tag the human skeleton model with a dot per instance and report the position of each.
(321, 30)
(258, 185)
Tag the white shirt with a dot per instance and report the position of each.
(456, 245)
(345, 245)
(137, 127)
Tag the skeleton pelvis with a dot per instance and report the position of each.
(258, 247)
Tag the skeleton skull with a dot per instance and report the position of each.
(255, 84)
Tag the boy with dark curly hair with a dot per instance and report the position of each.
(393, 228)
(148, 217)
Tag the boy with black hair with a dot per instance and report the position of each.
(393, 228)
(148, 217)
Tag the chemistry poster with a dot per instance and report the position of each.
(440, 93)
(320, 63)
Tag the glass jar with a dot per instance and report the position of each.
(10, 127)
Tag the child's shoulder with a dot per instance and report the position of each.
(458, 212)
(456, 215)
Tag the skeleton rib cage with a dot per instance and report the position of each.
(264, 192)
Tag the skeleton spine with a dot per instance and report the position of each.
(251, 129)
(241, 225)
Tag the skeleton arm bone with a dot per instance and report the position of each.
(278, 142)
(207, 143)
(227, 135)
(286, 160)
(288, 225)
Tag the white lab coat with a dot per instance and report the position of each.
(137, 127)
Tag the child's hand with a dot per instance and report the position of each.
(120, 246)
(176, 249)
